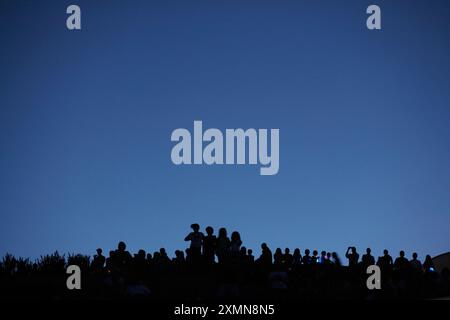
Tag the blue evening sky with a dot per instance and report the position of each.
(86, 118)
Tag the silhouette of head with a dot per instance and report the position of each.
(195, 227)
(263, 245)
(368, 250)
(307, 252)
(414, 255)
(122, 246)
(323, 253)
(99, 251)
(209, 230)
(178, 254)
(385, 252)
(235, 236)
(287, 251)
(222, 232)
(402, 253)
(249, 251)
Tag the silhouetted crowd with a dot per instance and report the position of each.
(220, 267)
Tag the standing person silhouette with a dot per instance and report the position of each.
(415, 263)
(265, 258)
(385, 262)
(288, 259)
(124, 258)
(323, 257)
(307, 258)
(336, 259)
(368, 259)
(223, 245)
(401, 263)
(99, 261)
(209, 245)
(352, 256)
(235, 244)
(196, 239)
(428, 265)
(297, 257)
(250, 256)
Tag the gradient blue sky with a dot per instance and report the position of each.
(86, 118)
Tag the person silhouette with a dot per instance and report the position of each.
(250, 256)
(385, 262)
(278, 257)
(401, 263)
(98, 262)
(265, 258)
(307, 260)
(179, 258)
(156, 257)
(140, 264)
(223, 245)
(415, 263)
(123, 257)
(111, 262)
(297, 257)
(336, 259)
(315, 257)
(323, 257)
(209, 245)
(196, 239)
(367, 259)
(140, 256)
(288, 259)
(235, 243)
(352, 256)
(328, 260)
(428, 264)
(243, 253)
(188, 255)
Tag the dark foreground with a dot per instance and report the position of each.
(236, 278)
